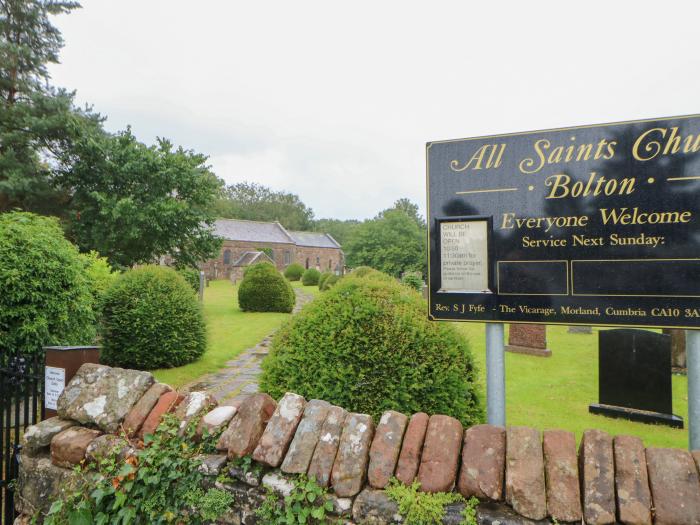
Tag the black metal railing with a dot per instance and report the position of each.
(21, 405)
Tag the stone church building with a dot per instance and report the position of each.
(242, 239)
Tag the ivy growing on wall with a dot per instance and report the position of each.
(161, 484)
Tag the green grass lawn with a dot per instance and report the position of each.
(229, 332)
(555, 392)
(541, 392)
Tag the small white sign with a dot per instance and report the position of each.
(464, 257)
(55, 382)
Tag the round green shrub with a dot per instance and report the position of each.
(322, 278)
(151, 319)
(263, 289)
(362, 271)
(413, 280)
(46, 298)
(368, 346)
(191, 275)
(330, 282)
(310, 277)
(294, 271)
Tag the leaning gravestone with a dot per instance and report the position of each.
(529, 339)
(579, 329)
(634, 368)
(677, 347)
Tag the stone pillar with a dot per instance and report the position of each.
(530, 339)
(677, 347)
(580, 330)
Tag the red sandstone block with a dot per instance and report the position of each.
(166, 404)
(483, 463)
(675, 487)
(280, 430)
(247, 426)
(631, 481)
(68, 447)
(561, 469)
(138, 414)
(385, 449)
(440, 457)
(525, 484)
(597, 471)
(409, 458)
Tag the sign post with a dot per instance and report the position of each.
(495, 375)
(591, 225)
(693, 364)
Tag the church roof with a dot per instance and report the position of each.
(314, 239)
(253, 231)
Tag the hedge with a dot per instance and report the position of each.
(263, 289)
(151, 319)
(47, 297)
(294, 271)
(310, 277)
(367, 345)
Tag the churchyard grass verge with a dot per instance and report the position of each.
(230, 331)
(554, 392)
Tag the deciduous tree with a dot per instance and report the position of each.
(133, 203)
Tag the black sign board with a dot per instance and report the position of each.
(634, 371)
(593, 225)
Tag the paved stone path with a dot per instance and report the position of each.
(241, 374)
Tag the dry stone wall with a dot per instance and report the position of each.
(520, 475)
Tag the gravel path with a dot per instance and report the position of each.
(241, 374)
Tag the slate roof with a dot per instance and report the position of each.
(253, 231)
(314, 239)
(249, 258)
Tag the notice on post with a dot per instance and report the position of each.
(464, 257)
(55, 382)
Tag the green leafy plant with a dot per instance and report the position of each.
(420, 508)
(99, 273)
(368, 346)
(46, 294)
(322, 278)
(310, 277)
(330, 282)
(413, 280)
(469, 512)
(151, 319)
(306, 504)
(263, 289)
(191, 275)
(161, 484)
(294, 271)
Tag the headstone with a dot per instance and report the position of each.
(530, 339)
(677, 347)
(634, 377)
(580, 329)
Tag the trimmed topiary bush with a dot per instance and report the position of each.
(413, 280)
(46, 297)
(362, 271)
(330, 282)
(263, 289)
(322, 278)
(310, 277)
(294, 271)
(367, 345)
(151, 319)
(191, 275)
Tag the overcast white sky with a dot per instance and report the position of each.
(335, 100)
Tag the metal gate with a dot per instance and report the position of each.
(21, 396)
